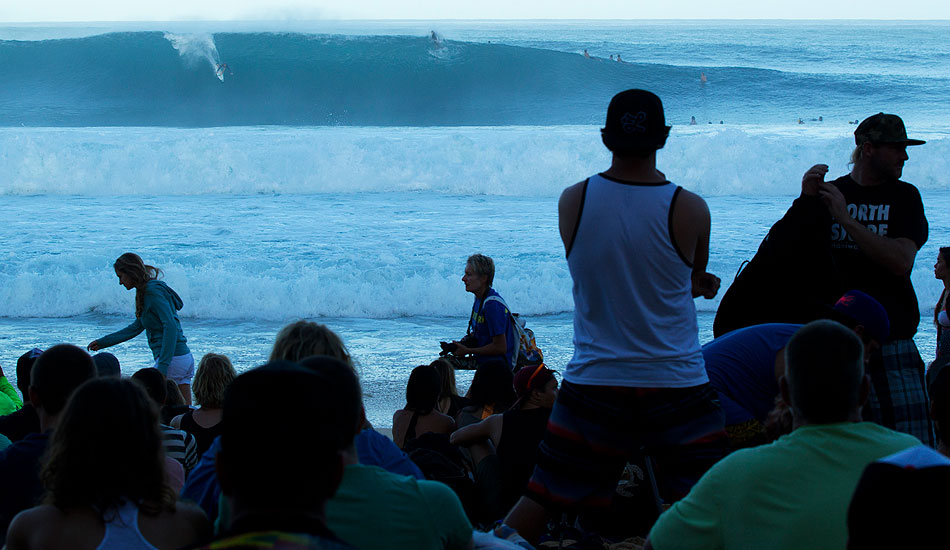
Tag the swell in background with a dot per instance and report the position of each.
(167, 79)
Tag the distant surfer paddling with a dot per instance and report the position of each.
(219, 71)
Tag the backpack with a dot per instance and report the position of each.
(527, 351)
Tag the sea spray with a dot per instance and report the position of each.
(195, 49)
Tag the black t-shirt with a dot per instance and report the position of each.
(890, 210)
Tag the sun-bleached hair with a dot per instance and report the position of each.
(212, 378)
(303, 339)
(482, 265)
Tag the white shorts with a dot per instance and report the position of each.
(181, 369)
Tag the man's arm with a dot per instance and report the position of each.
(498, 346)
(569, 213)
(691, 226)
(896, 255)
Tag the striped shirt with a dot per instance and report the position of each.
(180, 445)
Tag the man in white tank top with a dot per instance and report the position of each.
(637, 247)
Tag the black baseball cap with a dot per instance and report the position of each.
(635, 120)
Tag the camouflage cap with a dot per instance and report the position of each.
(883, 128)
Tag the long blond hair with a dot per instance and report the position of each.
(139, 273)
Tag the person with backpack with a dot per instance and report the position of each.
(491, 332)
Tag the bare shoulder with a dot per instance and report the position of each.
(30, 523)
(571, 196)
(184, 526)
(46, 526)
(689, 202)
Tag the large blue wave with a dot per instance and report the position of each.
(160, 79)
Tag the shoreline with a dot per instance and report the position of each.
(383, 361)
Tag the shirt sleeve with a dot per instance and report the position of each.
(912, 224)
(496, 318)
(447, 515)
(375, 449)
(693, 522)
(134, 329)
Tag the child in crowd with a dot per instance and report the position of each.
(214, 375)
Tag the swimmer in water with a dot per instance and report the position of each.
(611, 57)
(692, 121)
(586, 55)
(702, 77)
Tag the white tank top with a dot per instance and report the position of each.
(634, 317)
(122, 531)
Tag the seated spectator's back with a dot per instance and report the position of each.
(792, 493)
(54, 376)
(93, 503)
(420, 415)
(279, 491)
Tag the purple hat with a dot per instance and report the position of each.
(866, 311)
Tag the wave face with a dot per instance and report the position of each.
(168, 79)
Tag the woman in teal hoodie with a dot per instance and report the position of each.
(156, 312)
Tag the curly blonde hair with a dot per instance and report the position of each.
(304, 339)
(212, 378)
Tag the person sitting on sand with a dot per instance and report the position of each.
(296, 342)
(792, 493)
(368, 495)
(55, 376)
(745, 365)
(895, 504)
(502, 469)
(450, 402)
(18, 424)
(490, 393)
(212, 379)
(939, 390)
(105, 479)
(278, 491)
(420, 415)
(179, 444)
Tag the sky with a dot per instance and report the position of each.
(16, 11)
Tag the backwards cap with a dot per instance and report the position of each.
(635, 120)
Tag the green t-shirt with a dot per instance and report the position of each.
(376, 509)
(791, 494)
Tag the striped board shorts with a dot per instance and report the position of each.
(898, 398)
(594, 431)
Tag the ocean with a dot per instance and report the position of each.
(345, 170)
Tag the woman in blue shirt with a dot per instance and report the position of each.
(156, 312)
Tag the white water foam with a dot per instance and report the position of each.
(503, 161)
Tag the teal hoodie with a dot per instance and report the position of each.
(160, 322)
